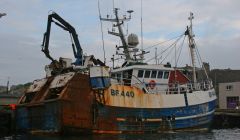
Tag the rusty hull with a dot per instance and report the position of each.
(42, 114)
(80, 109)
(74, 110)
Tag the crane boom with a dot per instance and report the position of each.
(59, 21)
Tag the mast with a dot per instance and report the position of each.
(120, 34)
(156, 56)
(8, 85)
(192, 49)
(129, 46)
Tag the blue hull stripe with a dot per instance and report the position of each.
(165, 118)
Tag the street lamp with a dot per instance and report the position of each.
(2, 14)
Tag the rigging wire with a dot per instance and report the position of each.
(149, 47)
(199, 63)
(171, 46)
(181, 46)
(103, 44)
(178, 50)
(171, 61)
(198, 55)
(168, 53)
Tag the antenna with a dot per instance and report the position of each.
(129, 50)
(103, 44)
(117, 22)
(8, 85)
(141, 32)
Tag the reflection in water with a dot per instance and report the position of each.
(221, 134)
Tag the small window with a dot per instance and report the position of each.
(119, 76)
(229, 87)
(160, 74)
(125, 75)
(140, 74)
(147, 74)
(154, 74)
(113, 75)
(166, 74)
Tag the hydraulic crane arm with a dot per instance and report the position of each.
(77, 49)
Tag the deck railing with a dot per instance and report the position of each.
(169, 88)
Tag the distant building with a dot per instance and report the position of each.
(200, 72)
(223, 76)
(6, 99)
(229, 94)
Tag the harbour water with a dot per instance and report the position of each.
(216, 134)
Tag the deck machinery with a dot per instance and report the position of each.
(137, 98)
(64, 99)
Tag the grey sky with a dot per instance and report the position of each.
(216, 26)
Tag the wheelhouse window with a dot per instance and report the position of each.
(229, 87)
(166, 74)
(147, 74)
(140, 74)
(119, 76)
(154, 74)
(160, 74)
(113, 75)
(125, 75)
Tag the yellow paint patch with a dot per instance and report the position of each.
(128, 96)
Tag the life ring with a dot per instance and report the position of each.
(152, 84)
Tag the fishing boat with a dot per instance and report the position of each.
(134, 98)
(155, 97)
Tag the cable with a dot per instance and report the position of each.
(166, 49)
(181, 49)
(149, 47)
(103, 44)
(205, 71)
(141, 28)
(174, 44)
(168, 54)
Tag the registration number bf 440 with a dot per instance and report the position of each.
(122, 93)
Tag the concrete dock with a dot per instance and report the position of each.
(226, 118)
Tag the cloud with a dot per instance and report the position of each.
(216, 26)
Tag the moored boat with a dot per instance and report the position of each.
(155, 97)
(134, 98)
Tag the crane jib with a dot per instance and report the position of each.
(59, 21)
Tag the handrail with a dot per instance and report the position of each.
(169, 88)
